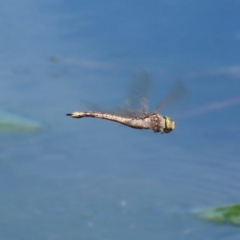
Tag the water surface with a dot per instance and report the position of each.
(93, 179)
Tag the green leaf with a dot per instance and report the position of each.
(227, 214)
(11, 122)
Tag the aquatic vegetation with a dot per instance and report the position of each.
(11, 122)
(226, 214)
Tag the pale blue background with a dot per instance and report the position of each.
(93, 179)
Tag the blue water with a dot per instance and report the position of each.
(93, 179)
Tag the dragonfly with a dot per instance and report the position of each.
(140, 118)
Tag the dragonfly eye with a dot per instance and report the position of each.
(169, 124)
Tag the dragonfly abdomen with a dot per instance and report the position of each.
(129, 121)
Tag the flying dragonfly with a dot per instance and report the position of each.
(140, 118)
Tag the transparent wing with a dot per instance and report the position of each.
(177, 93)
(136, 101)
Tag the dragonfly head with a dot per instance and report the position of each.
(169, 124)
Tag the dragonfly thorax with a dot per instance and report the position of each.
(154, 122)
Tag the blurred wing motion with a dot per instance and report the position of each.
(178, 92)
(136, 101)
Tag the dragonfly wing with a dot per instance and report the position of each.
(137, 98)
(136, 101)
(176, 94)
